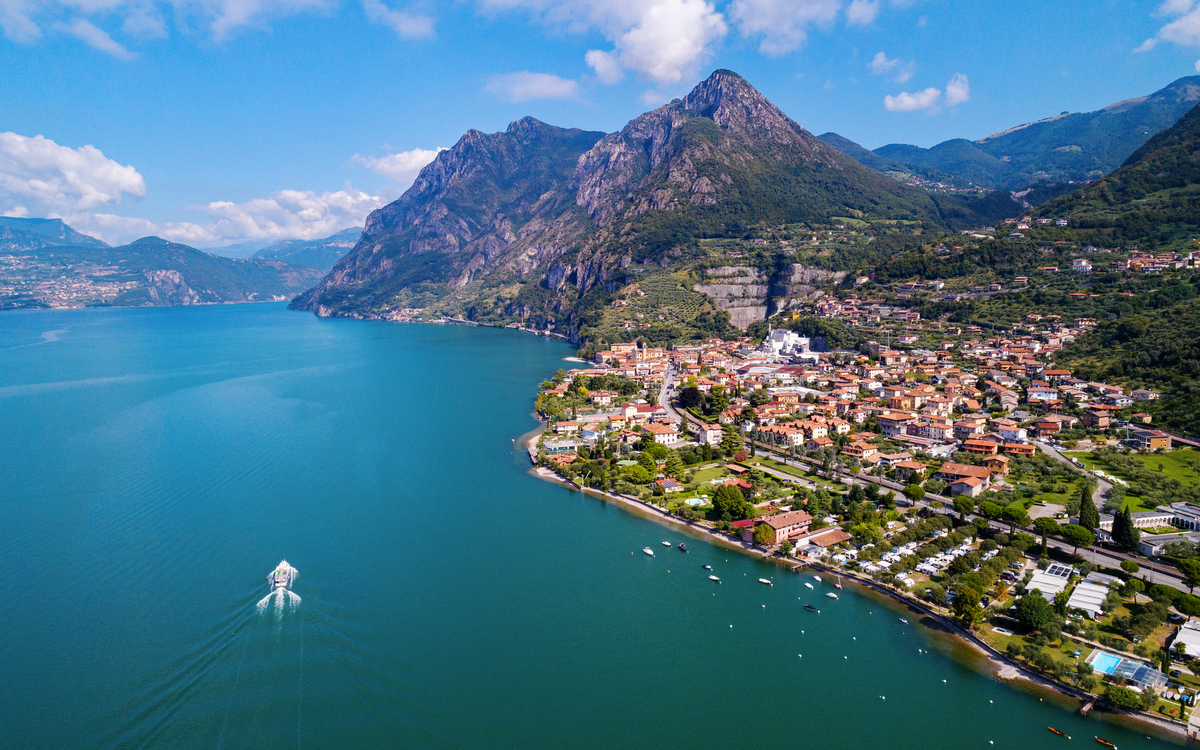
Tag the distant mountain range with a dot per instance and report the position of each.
(529, 221)
(320, 254)
(1064, 148)
(45, 263)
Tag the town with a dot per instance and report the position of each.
(975, 477)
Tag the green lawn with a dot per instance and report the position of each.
(705, 475)
(1176, 465)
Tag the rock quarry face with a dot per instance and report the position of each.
(569, 208)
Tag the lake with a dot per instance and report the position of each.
(158, 463)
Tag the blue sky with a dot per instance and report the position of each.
(220, 121)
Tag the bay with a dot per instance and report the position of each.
(156, 464)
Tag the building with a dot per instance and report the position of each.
(969, 486)
(1187, 639)
(1151, 440)
(710, 434)
(1088, 597)
(663, 433)
(1050, 581)
(784, 526)
(951, 472)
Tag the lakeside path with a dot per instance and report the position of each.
(1005, 668)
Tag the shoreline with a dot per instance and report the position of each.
(1001, 667)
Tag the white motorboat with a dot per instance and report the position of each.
(831, 595)
(714, 578)
(817, 579)
(806, 583)
(283, 576)
(766, 581)
(648, 551)
(666, 544)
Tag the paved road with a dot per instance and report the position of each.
(665, 393)
(1102, 485)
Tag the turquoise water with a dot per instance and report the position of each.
(157, 464)
(1105, 663)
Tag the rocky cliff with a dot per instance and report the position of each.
(530, 220)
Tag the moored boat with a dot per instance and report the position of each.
(817, 579)
(1059, 732)
(714, 578)
(764, 580)
(648, 551)
(811, 608)
(1106, 743)
(683, 547)
(831, 595)
(903, 620)
(806, 583)
(666, 544)
(706, 566)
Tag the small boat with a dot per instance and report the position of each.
(817, 579)
(806, 583)
(903, 620)
(706, 566)
(648, 551)
(1059, 732)
(811, 608)
(714, 578)
(837, 586)
(764, 580)
(682, 547)
(1106, 743)
(666, 544)
(831, 595)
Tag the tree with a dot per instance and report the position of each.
(1124, 533)
(731, 440)
(690, 397)
(1060, 602)
(638, 474)
(991, 511)
(1129, 566)
(1123, 697)
(1016, 516)
(936, 594)
(646, 461)
(1077, 537)
(963, 505)
(1082, 670)
(729, 499)
(914, 492)
(1044, 526)
(1034, 612)
(1089, 518)
(1190, 567)
(966, 606)
(674, 467)
(764, 534)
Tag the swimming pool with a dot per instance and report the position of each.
(1105, 663)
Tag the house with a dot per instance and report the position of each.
(1119, 400)
(1151, 440)
(1140, 418)
(1019, 449)
(818, 443)
(710, 434)
(859, 450)
(663, 433)
(1047, 427)
(910, 471)
(1095, 420)
(969, 486)
(669, 485)
(952, 472)
(566, 427)
(784, 526)
(998, 465)
(983, 447)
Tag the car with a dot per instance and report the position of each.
(1175, 673)
(985, 601)
(1175, 617)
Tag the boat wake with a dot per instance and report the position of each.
(281, 580)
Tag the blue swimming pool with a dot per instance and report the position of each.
(1105, 663)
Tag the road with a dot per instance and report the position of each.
(1102, 485)
(665, 393)
(1155, 572)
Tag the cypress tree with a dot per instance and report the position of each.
(1089, 517)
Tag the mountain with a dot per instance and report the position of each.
(32, 234)
(529, 221)
(320, 254)
(240, 249)
(857, 152)
(1154, 197)
(150, 271)
(1063, 148)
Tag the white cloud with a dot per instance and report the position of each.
(654, 98)
(906, 102)
(1198, 66)
(660, 40)
(1183, 31)
(401, 167)
(783, 24)
(606, 66)
(407, 25)
(96, 38)
(880, 64)
(957, 90)
(862, 12)
(524, 86)
(38, 177)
